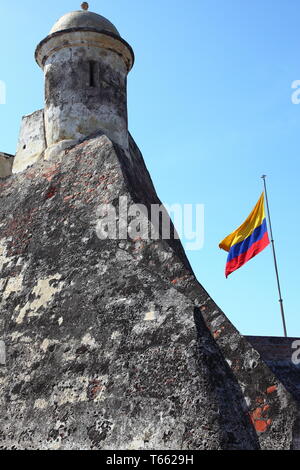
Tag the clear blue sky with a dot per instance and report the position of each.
(210, 106)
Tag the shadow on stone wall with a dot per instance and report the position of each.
(225, 391)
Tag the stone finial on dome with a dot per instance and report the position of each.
(85, 6)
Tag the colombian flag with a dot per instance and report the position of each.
(248, 240)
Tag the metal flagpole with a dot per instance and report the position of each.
(275, 260)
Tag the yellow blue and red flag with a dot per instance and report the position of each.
(248, 240)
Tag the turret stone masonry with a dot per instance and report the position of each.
(114, 344)
(85, 63)
(6, 163)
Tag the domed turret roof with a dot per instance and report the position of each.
(84, 19)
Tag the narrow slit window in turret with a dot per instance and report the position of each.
(93, 69)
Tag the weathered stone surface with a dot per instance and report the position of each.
(113, 344)
(282, 355)
(6, 162)
(32, 141)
